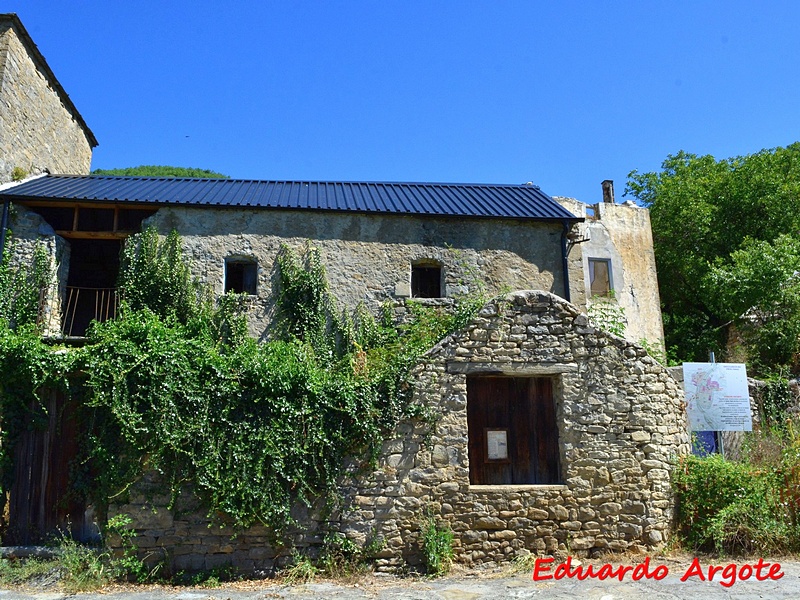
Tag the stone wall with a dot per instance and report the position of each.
(28, 230)
(37, 131)
(621, 427)
(368, 257)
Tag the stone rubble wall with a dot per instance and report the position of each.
(28, 230)
(368, 257)
(621, 425)
(37, 132)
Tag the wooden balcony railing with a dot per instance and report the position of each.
(84, 305)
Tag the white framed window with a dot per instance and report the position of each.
(600, 282)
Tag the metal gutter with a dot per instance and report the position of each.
(564, 261)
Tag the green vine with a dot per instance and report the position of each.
(175, 385)
(27, 365)
(605, 313)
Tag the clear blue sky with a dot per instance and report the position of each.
(564, 94)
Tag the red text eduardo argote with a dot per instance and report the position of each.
(725, 575)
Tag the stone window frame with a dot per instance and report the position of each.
(557, 372)
(591, 261)
(249, 275)
(427, 264)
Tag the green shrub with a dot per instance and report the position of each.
(437, 547)
(705, 487)
(302, 569)
(174, 385)
(748, 507)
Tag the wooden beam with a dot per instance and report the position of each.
(94, 235)
(56, 204)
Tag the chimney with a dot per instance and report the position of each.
(608, 191)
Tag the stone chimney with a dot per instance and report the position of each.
(608, 191)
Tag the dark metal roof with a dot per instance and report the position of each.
(38, 58)
(444, 199)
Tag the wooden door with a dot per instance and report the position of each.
(513, 434)
(39, 503)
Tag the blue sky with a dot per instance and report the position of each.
(564, 94)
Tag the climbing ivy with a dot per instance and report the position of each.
(154, 274)
(23, 287)
(27, 365)
(175, 385)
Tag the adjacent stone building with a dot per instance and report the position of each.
(40, 128)
(549, 436)
(619, 265)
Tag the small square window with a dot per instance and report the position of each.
(241, 276)
(600, 276)
(426, 281)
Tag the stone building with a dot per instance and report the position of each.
(551, 434)
(619, 265)
(40, 128)
(379, 241)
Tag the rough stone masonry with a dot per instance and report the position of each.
(621, 427)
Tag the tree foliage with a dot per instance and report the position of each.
(161, 171)
(722, 232)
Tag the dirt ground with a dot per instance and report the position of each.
(775, 578)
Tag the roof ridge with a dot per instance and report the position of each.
(306, 181)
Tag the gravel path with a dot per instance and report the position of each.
(478, 585)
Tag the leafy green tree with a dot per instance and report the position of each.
(161, 171)
(712, 219)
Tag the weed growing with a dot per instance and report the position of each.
(744, 507)
(437, 546)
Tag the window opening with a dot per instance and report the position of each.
(240, 276)
(426, 281)
(600, 276)
(512, 431)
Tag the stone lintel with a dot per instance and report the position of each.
(522, 369)
(528, 487)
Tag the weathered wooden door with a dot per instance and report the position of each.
(39, 503)
(513, 435)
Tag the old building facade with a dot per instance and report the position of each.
(550, 434)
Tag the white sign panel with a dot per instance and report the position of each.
(497, 440)
(717, 398)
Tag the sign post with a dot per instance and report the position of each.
(717, 397)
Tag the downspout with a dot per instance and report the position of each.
(3, 226)
(564, 261)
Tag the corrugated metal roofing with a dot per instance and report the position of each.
(441, 199)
